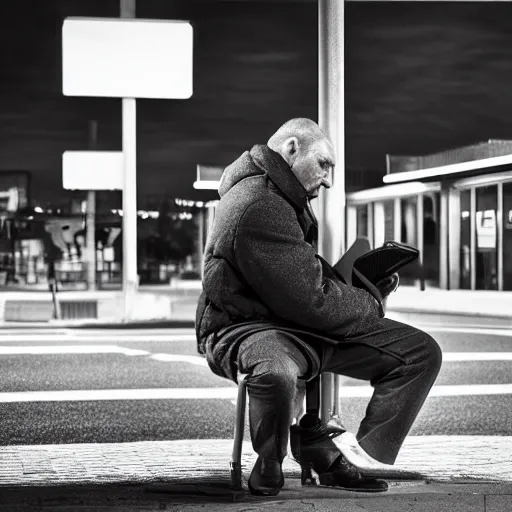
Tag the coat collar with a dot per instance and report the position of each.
(279, 172)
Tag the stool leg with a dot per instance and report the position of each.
(313, 396)
(236, 457)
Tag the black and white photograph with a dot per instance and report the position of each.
(255, 255)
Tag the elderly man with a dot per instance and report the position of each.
(274, 309)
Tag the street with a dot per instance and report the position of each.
(67, 386)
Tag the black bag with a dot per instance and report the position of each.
(383, 262)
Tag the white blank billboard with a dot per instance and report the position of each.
(127, 58)
(92, 170)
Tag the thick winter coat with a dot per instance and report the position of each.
(261, 269)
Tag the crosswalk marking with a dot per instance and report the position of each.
(436, 391)
(71, 349)
(222, 393)
(179, 358)
(119, 394)
(138, 338)
(476, 356)
(199, 360)
(187, 335)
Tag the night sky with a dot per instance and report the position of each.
(420, 77)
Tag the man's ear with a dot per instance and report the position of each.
(290, 149)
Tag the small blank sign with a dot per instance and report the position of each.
(127, 58)
(208, 177)
(92, 170)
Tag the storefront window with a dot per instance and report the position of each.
(507, 236)
(431, 212)
(486, 238)
(410, 273)
(465, 239)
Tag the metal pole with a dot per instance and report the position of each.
(127, 8)
(473, 238)
(90, 243)
(499, 236)
(331, 118)
(130, 275)
(420, 224)
(200, 239)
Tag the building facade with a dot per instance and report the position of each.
(454, 206)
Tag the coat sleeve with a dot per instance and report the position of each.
(289, 278)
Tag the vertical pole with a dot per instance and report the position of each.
(371, 224)
(127, 8)
(420, 238)
(200, 239)
(499, 236)
(473, 237)
(444, 198)
(331, 118)
(129, 127)
(379, 223)
(454, 238)
(351, 224)
(90, 243)
(397, 220)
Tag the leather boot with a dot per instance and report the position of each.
(321, 461)
(266, 478)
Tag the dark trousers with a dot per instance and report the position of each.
(400, 361)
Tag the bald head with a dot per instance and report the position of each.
(306, 131)
(308, 152)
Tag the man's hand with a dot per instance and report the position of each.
(388, 285)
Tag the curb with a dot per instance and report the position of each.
(293, 498)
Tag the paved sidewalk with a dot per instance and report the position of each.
(434, 305)
(438, 304)
(452, 459)
(459, 473)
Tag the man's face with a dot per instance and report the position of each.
(314, 166)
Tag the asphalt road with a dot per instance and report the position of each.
(108, 386)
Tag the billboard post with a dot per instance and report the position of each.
(123, 58)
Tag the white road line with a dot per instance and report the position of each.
(199, 360)
(146, 338)
(448, 325)
(467, 330)
(119, 394)
(99, 349)
(453, 390)
(230, 393)
(178, 358)
(476, 356)
(71, 349)
(93, 332)
(190, 337)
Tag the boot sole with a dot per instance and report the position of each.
(260, 492)
(327, 480)
(352, 489)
